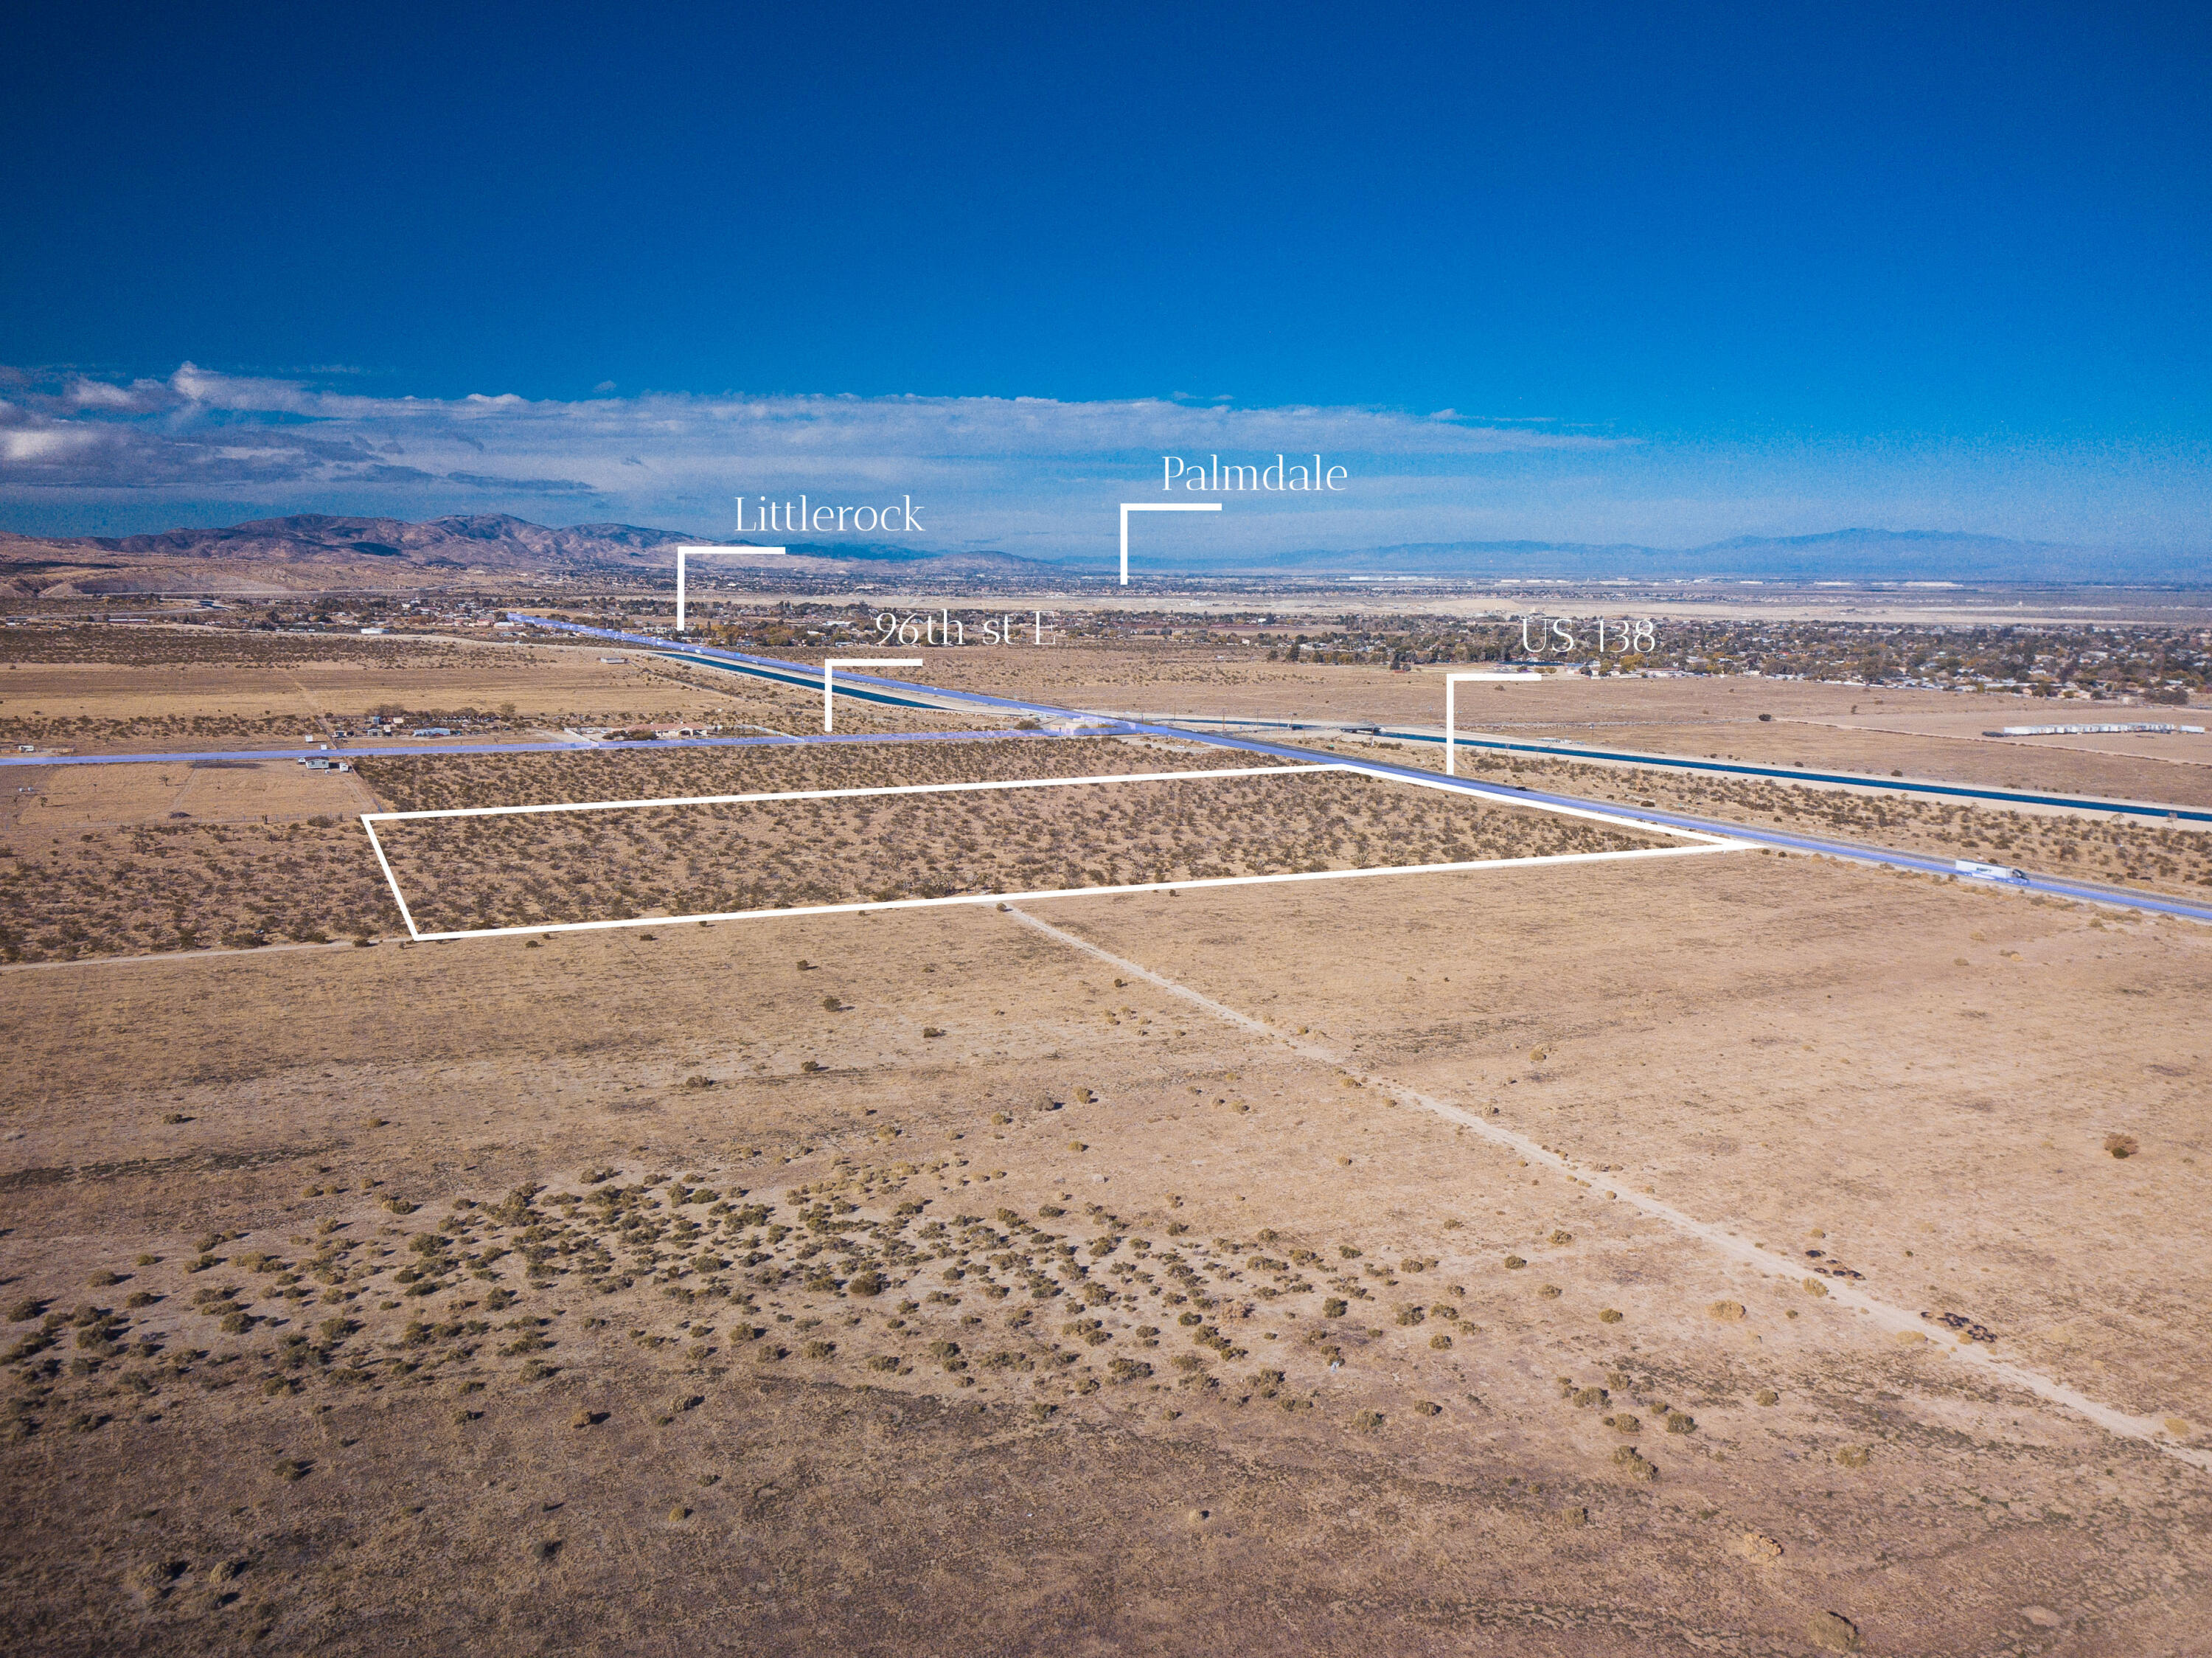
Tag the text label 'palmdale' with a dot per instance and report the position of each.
(1214, 478)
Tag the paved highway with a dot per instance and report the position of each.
(2146, 809)
(1794, 774)
(349, 753)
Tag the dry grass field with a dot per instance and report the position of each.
(1732, 1254)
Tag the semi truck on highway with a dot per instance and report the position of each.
(1988, 871)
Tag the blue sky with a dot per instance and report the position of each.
(1668, 273)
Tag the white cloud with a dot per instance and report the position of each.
(677, 458)
(99, 394)
(1032, 475)
(42, 445)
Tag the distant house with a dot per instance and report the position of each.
(432, 731)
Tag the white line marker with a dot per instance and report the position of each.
(2151, 1430)
(726, 552)
(855, 794)
(369, 826)
(828, 663)
(1451, 718)
(1128, 507)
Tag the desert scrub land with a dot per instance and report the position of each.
(844, 1275)
(127, 689)
(130, 686)
(130, 645)
(578, 1316)
(98, 865)
(542, 869)
(2116, 851)
(440, 782)
(154, 888)
(816, 1279)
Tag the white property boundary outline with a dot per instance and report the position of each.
(726, 552)
(2150, 1430)
(1128, 507)
(1704, 843)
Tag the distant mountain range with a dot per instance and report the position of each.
(276, 557)
(280, 557)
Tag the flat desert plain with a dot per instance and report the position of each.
(1141, 1273)
(1663, 1250)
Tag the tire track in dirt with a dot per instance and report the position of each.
(2150, 1430)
